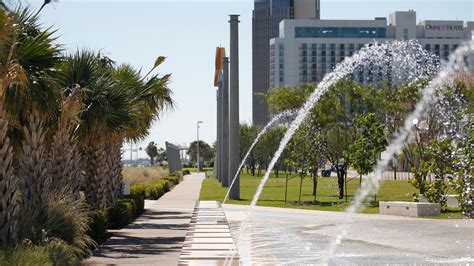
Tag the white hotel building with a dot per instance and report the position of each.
(307, 49)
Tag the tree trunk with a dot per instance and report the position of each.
(66, 165)
(115, 178)
(340, 182)
(286, 188)
(97, 175)
(34, 170)
(301, 186)
(9, 206)
(345, 184)
(360, 180)
(315, 181)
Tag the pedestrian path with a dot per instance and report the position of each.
(209, 240)
(156, 237)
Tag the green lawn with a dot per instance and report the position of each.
(274, 193)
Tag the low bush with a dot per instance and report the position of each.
(69, 219)
(98, 227)
(138, 190)
(139, 200)
(121, 214)
(51, 251)
(186, 172)
(156, 189)
(173, 179)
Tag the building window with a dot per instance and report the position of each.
(428, 47)
(351, 47)
(340, 32)
(342, 46)
(323, 46)
(333, 46)
(314, 46)
(405, 34)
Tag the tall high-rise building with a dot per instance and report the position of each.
(267, 15)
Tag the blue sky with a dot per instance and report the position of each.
(187, 32)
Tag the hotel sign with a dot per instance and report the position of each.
(444, 27)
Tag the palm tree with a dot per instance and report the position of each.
(106, 115)
(10, 73)
(65, 157)
(29, 58)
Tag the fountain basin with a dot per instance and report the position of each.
(412, 209)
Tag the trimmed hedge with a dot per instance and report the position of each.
(121, 214)
(173, 179)
(139, 200)
(131, 206)
(98, 227)
(155, 189)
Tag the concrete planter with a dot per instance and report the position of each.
(412, 209)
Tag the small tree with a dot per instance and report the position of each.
(152, 152)
(369, 142)
(206, 152)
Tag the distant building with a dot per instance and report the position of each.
(267, 15)
(307, 49)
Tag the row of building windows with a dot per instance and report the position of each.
(331, 46)
(340, 32)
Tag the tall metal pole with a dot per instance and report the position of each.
(234, 123)
(198, 159)
(218, 162)
(225, 123)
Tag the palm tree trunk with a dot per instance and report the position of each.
(8, 189)
(34, 169)
(65, 165)
(114, 162)
(96, 175)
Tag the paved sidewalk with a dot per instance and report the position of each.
(156, 237)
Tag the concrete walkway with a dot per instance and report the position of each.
(156, 237)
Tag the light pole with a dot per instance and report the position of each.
(198, 159)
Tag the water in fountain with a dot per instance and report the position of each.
(406, 60)
(429, 96)
(260, 134)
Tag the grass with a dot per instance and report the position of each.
(142, 175)
(273, 194)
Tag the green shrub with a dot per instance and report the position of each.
(69, 219)
(139, 200)
(98, 227)
(50, 252)
(153, 190)
(186, 172)
(173, 179)
(138, 190)
(121, 214)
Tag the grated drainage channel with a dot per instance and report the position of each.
(209, 240)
